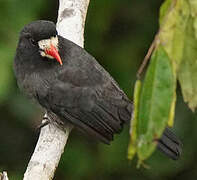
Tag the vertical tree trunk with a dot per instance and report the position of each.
(52, 140)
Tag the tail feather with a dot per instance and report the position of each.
(170, 145)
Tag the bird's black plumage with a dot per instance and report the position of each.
(80, 91)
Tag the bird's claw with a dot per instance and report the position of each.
(45, 121)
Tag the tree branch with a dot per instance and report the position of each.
(71, 20)
(52, 139)
(3, 176)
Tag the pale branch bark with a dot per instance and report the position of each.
(52, 140)
(4, 176)
(47, 153)
(71, 20)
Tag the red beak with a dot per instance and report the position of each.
(54, 53)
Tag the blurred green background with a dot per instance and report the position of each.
(118, 33)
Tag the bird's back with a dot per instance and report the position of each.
(84, 94)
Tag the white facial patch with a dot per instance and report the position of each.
(46, 44)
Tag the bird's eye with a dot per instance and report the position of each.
(33, 42)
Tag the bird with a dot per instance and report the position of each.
(70, 84)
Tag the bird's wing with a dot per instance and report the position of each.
(87, 109)
(90, 101)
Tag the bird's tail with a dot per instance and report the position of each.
(170, 145)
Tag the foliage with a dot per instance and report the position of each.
(155, 102)
(132, 149)
(174, 57)
(118, 33)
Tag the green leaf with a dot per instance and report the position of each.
(133, 124)
(155, 102)
(193, 8)
(165, 7)
(172, 110)
(187, 74)
(174, 15)
(178, 35)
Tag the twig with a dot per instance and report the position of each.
(52, 140)
(147, 57)
(155, 42)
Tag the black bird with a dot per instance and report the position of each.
(69, 83)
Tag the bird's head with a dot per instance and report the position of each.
(41, 37)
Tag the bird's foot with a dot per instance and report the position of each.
(45, 121)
